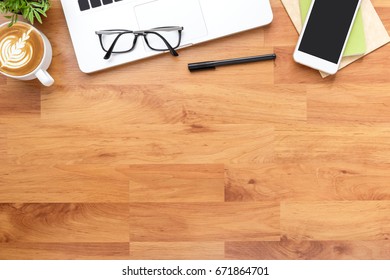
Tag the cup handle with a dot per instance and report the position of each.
(44, 77)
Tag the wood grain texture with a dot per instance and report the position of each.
(176, 183)
(327, 181)
(361, 220)
(139, 144)
(149, 161)
(281, 31)
(62, 184)
(64, 251)
(325, 142)
(308, 250)
(21, 100)
(204, 221)
(65, 222)
(177, 250)
(180, 104)
(3, 146)
(337, 104)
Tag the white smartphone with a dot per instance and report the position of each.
(325, 34)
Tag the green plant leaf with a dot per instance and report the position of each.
(25, 13)
(41, 12)
(31, 16)
(36, 4)
(29, 9)
(38, 17)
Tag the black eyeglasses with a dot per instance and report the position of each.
(167, 38)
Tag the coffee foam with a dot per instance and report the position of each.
(18, 50)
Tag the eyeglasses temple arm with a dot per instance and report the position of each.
(167, 28)
(171, 49)
(110, 50)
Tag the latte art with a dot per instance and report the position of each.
(21, 50)
(15, 52)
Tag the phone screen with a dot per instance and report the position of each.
(327, 28)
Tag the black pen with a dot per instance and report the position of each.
(213, 64)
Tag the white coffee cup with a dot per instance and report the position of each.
(40, 72)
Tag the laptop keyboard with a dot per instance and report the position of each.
(90, 4)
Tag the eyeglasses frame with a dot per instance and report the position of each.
(137, 34)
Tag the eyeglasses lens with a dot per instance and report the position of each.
(124, 43)
(157, 43)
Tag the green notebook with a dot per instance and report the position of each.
(356, 44)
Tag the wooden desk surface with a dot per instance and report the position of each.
(149, 161)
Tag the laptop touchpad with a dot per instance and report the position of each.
(186, 13)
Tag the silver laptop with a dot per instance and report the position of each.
(202, 20)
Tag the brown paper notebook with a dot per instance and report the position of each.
(376, 33)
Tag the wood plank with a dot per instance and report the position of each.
(175, 103)
(343, 220)
(62, 183)
(156, 222)
(20, 100)
(3, 145)
(176, 183)
(310, 181)
(281, 31)
(276, 4)
(337, 104)
(64, 251)
(383, 11)
(54, 223)
(177, 250)
(380, 3)
(308, 250)
(368, 144)
(132, 144)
